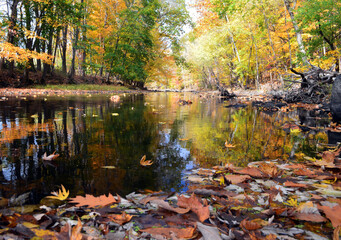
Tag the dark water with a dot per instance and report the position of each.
(90, 132)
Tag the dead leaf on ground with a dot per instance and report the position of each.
(120, 218)
(76, 231)
(50, 157)
(250, 225)
(251, 171)
(195, 205)
(235, 179)
(293, 184)
(145, 162)
(333, 214)
(91, 201)
(182, 233)
(270, 169)
(209, 232)
(165, 205)
(336, 233)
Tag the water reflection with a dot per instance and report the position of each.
(90, 132)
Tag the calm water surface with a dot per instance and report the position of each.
(90, 132)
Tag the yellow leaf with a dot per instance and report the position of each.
(145, 162)
(61, 195)
(30, 225)
(292, 202)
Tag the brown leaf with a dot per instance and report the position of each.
(336, 233)
(76, 231)
(304, 172)
(235, 179)
(165, 205)
(333, 214)
(50, 157)
(270, 169)
(293, 184)
(120, 218)
(310, 217)
(195, 205)
(147, 199)
(250, 225)
(251, 171)
(182, 233)
(91, 201)
(329, 156)
(145, 162)
(209, 232)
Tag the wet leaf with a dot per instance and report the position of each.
(120, 218)
(145, 162)
(61, 195)
(195, 205)
(50, 157)
(91, 201)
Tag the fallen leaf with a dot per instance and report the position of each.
(91, 201)
(145, 162)
(333, 214)
(235, 179)
(165, 205)
(109, 167)
(292, 184)
(209, 232)
(195, 205)
(120, 218)
(50, 157)
(250, 225)
(182, 233)
(229, 145)
(270, 169)
(310, 217)
(76, 231)
(336, 233)
(61, 195)
(251, 171)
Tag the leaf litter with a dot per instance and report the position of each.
(266, 200)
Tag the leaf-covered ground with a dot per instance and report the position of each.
(265, 200)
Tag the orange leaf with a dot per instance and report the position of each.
(235, 179)
(195, 205)
(76, 231)
(251, 171)
(333, 214)
(182, 233)
(120, 218)
(250, 225)
(91, 201)
(293, 184)
(145, 162)
(165, 205)
(50, 157)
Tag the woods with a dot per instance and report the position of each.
(115, 40)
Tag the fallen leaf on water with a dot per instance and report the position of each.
(109, 167)
(50, 157)
(195, 205)
(91, 201)
(145, 162)
(120, 218)
(61, 195)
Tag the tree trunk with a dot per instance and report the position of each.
(74, 49)
(297, 31)
(12, 31)
(64, 48)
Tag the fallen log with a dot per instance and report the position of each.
(315, 85)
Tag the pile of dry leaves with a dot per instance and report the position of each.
(265, 200)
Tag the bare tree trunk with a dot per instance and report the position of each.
(64, 48)
(11, 30)
(74, 49)
(297, 31)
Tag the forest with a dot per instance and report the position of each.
(166, 44)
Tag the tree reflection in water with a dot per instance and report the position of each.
(92, 132)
